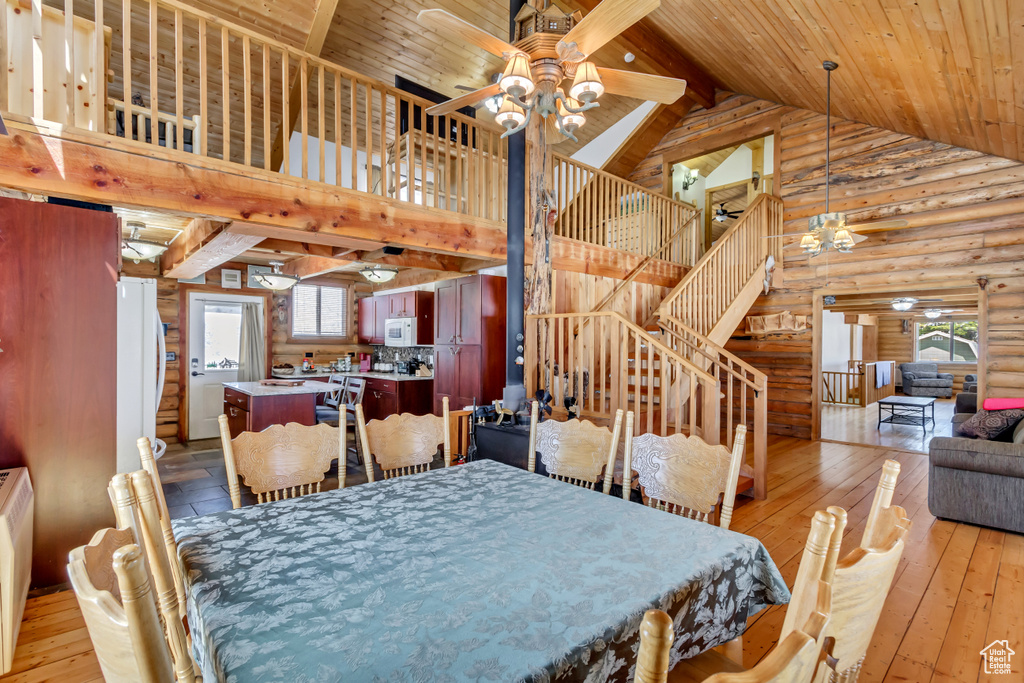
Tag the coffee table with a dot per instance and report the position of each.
(906, 410)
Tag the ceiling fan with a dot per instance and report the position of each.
(933, 313)
(492, 104)
(830, 230)
(721, 215)
(552, 46)
(905, 303)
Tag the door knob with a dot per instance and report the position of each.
(196, 374)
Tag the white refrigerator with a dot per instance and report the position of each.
(141, 362)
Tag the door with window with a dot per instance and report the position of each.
(214, 342)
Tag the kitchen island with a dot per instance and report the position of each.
(386, 393)
(252, 407)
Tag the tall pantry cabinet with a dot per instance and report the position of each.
(469, 340)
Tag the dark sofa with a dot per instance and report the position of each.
(974, 480)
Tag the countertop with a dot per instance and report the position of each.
(257, 389)
(367, 375)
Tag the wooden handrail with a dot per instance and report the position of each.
(678, 328)
(716, 360)
(598, 207)
(351, 131)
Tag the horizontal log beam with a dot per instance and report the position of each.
(204, 245)
(311, 266)
(582, 257)
(290, 248)
(98, 168)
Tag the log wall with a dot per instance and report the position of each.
(966, 214)
(893, 344)
(168, 418)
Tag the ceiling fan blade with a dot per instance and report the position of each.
(785, 234)
(642, 86)
(858, 238)
(878, 226)
(448, 23)
(466, 100)
(603, 23)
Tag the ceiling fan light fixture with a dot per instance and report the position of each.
(378, 274)
(932, 313)
(843, 239)
(516, 79)
(137, 249)
(570, 121)
(493, 104)
(903, 303)
(510, 115)
(587, 85)
(809, 243)
(276, 280)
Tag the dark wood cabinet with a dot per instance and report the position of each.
(375, 310)
(469, 340)
(384, 397)
(255, 413)
(58, 394)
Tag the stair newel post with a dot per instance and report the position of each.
(761, 442)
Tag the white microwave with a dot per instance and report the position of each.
(400, 332)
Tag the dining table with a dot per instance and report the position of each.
(475, 572)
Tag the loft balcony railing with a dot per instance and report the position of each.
(174, 80)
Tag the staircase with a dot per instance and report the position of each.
(673, 371)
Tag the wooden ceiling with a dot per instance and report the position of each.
(943, 70)
(963, 299)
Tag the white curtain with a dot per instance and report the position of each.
(252, 356)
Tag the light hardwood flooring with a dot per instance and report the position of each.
(958, 587)
(853, 424)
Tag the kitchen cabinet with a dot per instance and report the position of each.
(383, 397)
(469, 340)
(374, 312)
(248, 413)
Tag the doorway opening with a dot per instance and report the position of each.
(214, 345)
(869, 339)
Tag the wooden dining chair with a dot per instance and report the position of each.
(404, 444)
(861, 580)
(282, 461)
(110, 581)
(686, 476)
(136, 509)
(575, 451)
(170, 545)
(799, 660)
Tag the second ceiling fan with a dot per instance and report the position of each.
(552, 46)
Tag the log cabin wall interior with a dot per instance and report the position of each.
(897, 343)
(964, 212)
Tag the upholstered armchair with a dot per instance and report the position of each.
(924, 379)
(971, 383)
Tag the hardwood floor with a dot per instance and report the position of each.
(958, 587)
(853, 424)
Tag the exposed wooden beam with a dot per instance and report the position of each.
(318, 28)
(290, 248)
(581, 257)
(311, 266)
(303, 212)
(635, 148)
(334, 243)
(204, 245)
(416, 259)
(416, 276)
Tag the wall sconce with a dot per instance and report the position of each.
(690, 178)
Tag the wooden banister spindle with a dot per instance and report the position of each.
(70, 73)
(225, 76)
(126, 66)
(179, 84)
(304, 114)
(247, 100)
(321, 125)
(99, 68)
(286, 117)
(204, 98)
(353, 109)
(267, 140)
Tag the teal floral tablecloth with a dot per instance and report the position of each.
(480, 572)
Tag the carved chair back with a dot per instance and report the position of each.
(282, 461)
(110, 581)
(136, 509)
(686, 476)
(404, 444)
(170, 545)
(575, 451)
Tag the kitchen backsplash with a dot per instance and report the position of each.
(386, 354)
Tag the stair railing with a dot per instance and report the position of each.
(745, 390)
(708, 290)
(613, 363)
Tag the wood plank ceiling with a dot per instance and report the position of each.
(944, 70)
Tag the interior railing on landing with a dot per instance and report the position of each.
(182, 83)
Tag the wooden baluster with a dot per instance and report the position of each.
(286, 117)
(304, 114)
(70, 74)
(130, 123)
(267, 141)
(352, 132)
(410, 152)
(321, 124)
(246, 99)
(4, 75)
(369, 137)
(396, 145)
(179, 82)
(337, 128)
(384, 143)
(569, 372)
(651, 390)
(225, 75)
(423, 157)
(665, 395)
(99, 69)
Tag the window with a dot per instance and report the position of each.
(947, 342)
(319, 311)
(222, 329)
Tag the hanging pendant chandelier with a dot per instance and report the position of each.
(533, 88)
(275, 279)
(378, 274)
(138, 249)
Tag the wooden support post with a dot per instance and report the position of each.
(761, 443)
(982, 390)
(541, 219)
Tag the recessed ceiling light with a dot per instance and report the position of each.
(629, 57)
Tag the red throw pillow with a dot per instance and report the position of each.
(1002, 403)
(988, 424)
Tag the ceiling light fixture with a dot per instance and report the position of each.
(903, 303)
(378, 274)
(526, 92)
(933, 313)
(275, 279)
(137, 249)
